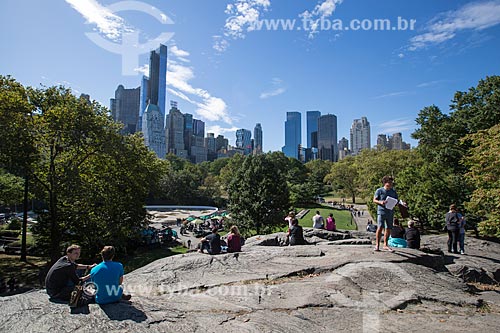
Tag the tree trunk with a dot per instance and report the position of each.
(25, 219)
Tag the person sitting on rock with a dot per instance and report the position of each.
(370, 227)
(234, 240)
(108, 278)
(317, 221)
(296, 234)
(412, 236)
(211, 243)
(397, 237)
(62, 278)
(330, 223)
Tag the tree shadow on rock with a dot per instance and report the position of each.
(123, 311)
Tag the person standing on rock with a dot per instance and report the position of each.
(453, 219)
(385, 214)
(461, 237)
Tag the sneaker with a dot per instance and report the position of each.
(462, 252)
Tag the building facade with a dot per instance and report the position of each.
(293, 134)
(360, 135)
(327, 138)
(257, 135)
(244, 140)
(125, 108)
(312, 127)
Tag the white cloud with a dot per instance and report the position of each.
(208, 107)
(178, 52)
(323, 10)
(430, 83)
(272, 93)
(109, 24)
(220, 44)
(144, 70)
(392, 94)
(395, 126)
(401, 55)
(473, 16)
(277, 89)
(243, 15)
(218, 130)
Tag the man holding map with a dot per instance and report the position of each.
(386, 198)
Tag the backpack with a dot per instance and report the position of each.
(452, 221)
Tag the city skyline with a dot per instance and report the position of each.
(233, 63)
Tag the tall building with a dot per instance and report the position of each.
(244, 140)
(257, 135)
(396, 141)
(327, 138)
(198, 151)
(293, 134)
(154, 90)
(124, 108)
(360, 135)
(312, 126)
(153, 131)
(174, 132)
(382, 142)
(343, 147)
(211, 145)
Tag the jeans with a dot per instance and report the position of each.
(453, 240)
(461, 241)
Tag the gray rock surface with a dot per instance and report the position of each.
(325, 287)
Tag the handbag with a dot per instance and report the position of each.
(403, 209)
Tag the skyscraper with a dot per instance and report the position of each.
(312, 126)
(153, 131)
(360, 135)
(257, 135)
(155, 88)
(244, 140)
(327, 138)
(124, 108)
(174, 132)
(343, 148)
(293, 134)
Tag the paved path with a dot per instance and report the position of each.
(362, 220)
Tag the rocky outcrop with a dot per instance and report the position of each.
(325, 287)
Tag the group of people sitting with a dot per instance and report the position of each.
(213, 244)
(409, 238)
(319, 222)
(107, 277)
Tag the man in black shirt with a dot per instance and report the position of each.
(211, 243)
(62, 278)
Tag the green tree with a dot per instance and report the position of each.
(484, 175)
(11, 188)
(344, 177)
(258, 195)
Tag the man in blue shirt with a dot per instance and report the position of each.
(384, 214)
(108, 277)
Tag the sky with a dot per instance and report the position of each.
(235, 63)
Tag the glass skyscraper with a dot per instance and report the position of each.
(244, 140)
(257, 136)
(293, 134)
(312, 126)
(327, 138)
(124, 108)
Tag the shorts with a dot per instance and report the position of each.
(385, 221)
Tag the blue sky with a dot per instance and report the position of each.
(229, 73)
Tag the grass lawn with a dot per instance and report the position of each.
(342, 217)
(26, 273)
(146, 256)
